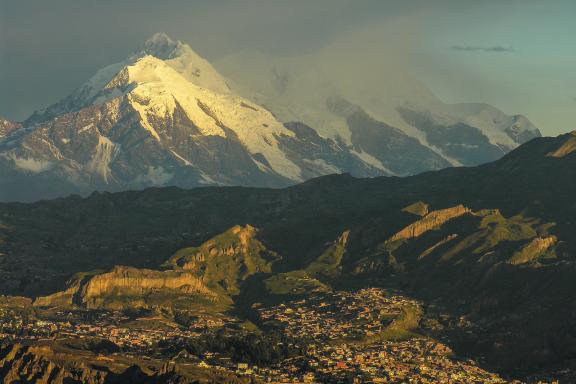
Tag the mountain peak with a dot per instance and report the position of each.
(159, 45)
(7, 126)
(183, 59)
(160, 37)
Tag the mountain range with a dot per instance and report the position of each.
(166, 116)
(491, 244)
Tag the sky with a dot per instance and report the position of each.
(518, 55)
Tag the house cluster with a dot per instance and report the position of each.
(338, 324)
(340, 330)
(416, 360)
(114, 326)
(339, 315)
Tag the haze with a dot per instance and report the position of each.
(516, 55)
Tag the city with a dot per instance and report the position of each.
(362, 336)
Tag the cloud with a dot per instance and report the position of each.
(480, 48)
(46, 50)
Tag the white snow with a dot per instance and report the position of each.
(143, 112)
(103, 155)
(157, 87)
(488, 119)
(207, 180)
(186, 162)
(167, 74)
(185, 61)
(369, 159)
(296, 88)
(197, 70)
(96, 83)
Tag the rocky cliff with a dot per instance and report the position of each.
(7, 127)
(208, 273)
(139, 282)
(533, 250)
(127, 287)
(429, 221)
(45, 365)
(29, 364)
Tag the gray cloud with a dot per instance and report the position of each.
(48, 48)
(479, 48)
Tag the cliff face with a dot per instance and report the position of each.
(135, 282)
(43, 365)
(7, 126)
(533, 250)
(33, 365)
(125, 282)
(210, 273)
(418, 209)
(430, 221)
(59, 299)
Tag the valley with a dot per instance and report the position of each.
(368, 335)
(466, 261)
(287, 192)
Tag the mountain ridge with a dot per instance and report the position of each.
(298, 87)
(474, 241)
(165, 116)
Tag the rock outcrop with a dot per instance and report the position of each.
(419, 209)
(533, 250)
(44, 365)
(211, 273)
(431, 249)
(24, 364)
(568, 147)
(431, 220)
(126, 282)
(7, 126)
(326, 268)
(136, 282)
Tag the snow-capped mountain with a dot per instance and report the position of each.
(304, 88)
(163, 116)
(166, 116)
